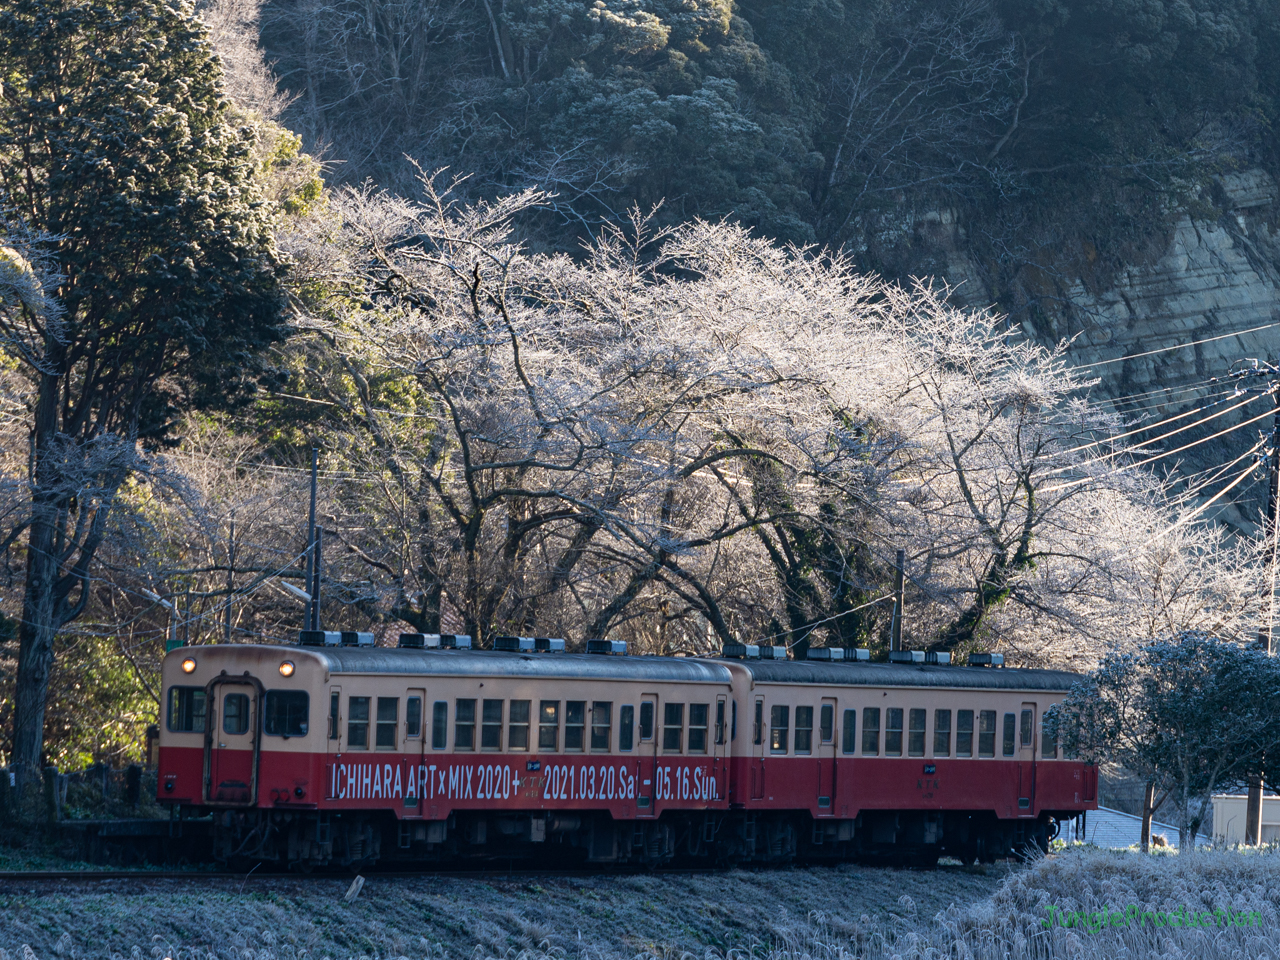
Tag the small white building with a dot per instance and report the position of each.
(1229, 817)
(1115, 829)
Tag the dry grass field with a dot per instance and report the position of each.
(824, 914)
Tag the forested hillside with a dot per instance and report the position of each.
(578, 304)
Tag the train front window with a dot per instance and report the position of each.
(491, 725)
(1010, 721)
(464, 724)
(827, 723)
(720, 721)
(575, 725)
(440, 725)
(804, 730)
(698, 713)
(333, 715)
(388, 722)
(1026, 725)
(285, 713)
(915, 732)
(942, 733)
(601, 725)
(549, 725)
(870, 731)
(672, 727)
(186, 709)
(757, 729)
(518, 726)
(779, 728)
(413, 717)
(987, 733)
(964, 733)
(626, 728)
(849, 735)
(235, 714)
(357, 723)
(893, 732)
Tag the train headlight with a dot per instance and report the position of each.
(286, 668)
(189, 665)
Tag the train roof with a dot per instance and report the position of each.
(863, 674)
(585, 666)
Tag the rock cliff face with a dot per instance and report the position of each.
(1163, 328)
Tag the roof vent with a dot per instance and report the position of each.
(319, 638)
(419, 641)
(906, 656)
(986, 659)
(514, 644)
(773, 651)
(455, 641)
(607, 646)
(942, 659)
(353, 638)
(857, 653)
(740, 651)
(825, 653)
(548, 645)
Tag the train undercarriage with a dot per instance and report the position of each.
(307, 840)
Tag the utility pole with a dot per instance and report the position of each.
(895, 625)
(315, 583)
(231, 582)
(312, 612)
(1266, 638)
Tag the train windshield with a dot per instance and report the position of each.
(286, 713)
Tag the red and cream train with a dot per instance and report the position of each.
(345, 754)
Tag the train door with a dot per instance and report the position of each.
(333, 739)
(757, 749)
(1027, 726)
(647, 778)
(232, 741)
(826, 757)
(415, 747)
(718, 771)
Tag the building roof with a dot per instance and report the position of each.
(1116, 829)
(863, 674)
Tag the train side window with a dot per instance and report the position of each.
(719, 721)
(893, 732)
(964, 733)
(626, 727)
(413, 717)
(1048, 744)
(871, 731)
(235, 713)
(286, 713)
(849, 736)
(491, 725)
(804, 730)
(439, 725)
(601, 725)
(646, 720)
(464, 724)
(698, 713)
(733, 722)
(672, 727)
(986, 733)
(575, 725)
(915, 732)
(186, 709)
(357, 723)
(549, 725)
(779, 728)
(388, 722)
(518, 725)
(1026, 725)
(1010, 721)
(827, 723)
(942, 733)
(333, 715)
(757, 731)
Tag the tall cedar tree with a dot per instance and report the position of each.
(117, 142)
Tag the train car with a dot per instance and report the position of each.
(313, 755)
